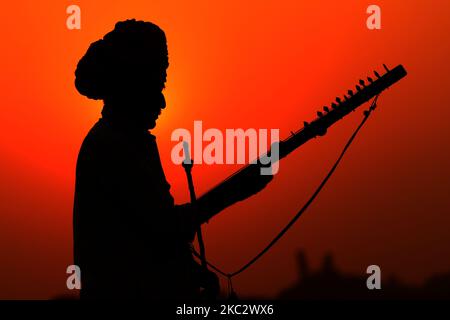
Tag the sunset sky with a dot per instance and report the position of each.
(241, 64)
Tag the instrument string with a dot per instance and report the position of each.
(229, 276)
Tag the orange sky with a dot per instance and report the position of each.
(248, 64)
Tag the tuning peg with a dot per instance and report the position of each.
(326, 109)
(377, 74)
(370, 79)
(338, 100)
(346, 98)
(319, 114)
(305, 123)
(361, 82)
(350, 92)
(386, 68)
(334, 105)
(358, 88)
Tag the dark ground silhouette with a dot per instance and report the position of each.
(330, 283)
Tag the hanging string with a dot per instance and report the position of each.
(229, 276)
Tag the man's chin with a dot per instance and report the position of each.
(151, 124)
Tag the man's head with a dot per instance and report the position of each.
(127, 70)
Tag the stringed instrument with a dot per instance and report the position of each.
(225, 193)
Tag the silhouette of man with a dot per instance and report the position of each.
(130, 240)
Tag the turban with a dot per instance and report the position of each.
(131, 57)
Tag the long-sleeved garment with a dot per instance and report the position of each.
(127, 237)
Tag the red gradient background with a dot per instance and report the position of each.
(248, 64)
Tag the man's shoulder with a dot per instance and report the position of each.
(101, 140)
